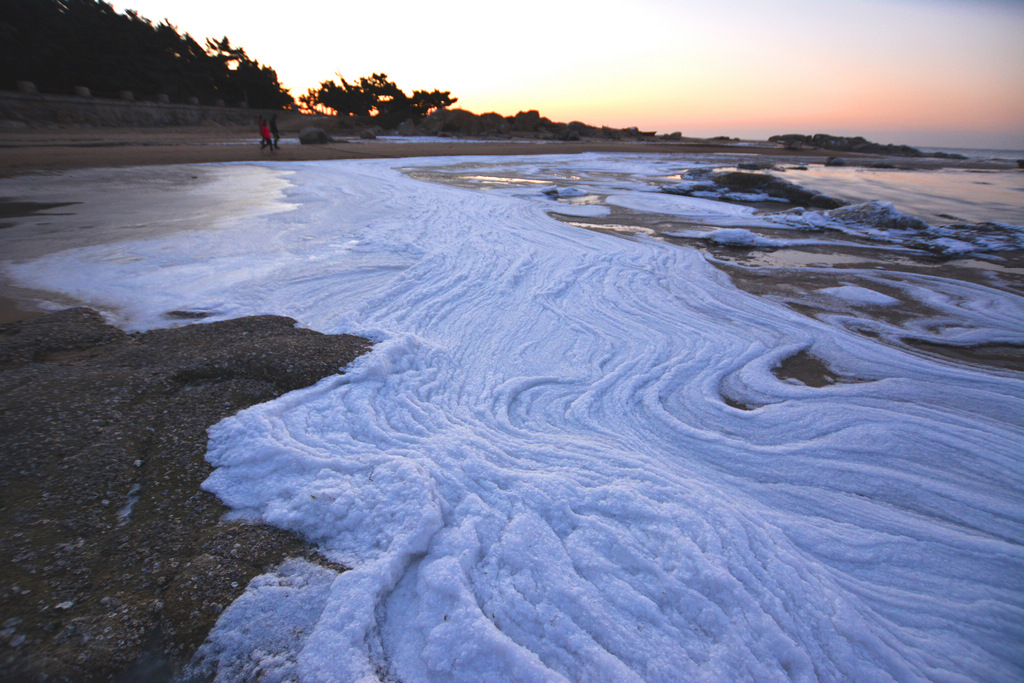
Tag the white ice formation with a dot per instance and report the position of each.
(568, 456)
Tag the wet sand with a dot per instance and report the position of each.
(33, 150)
(29, 150)
(11, 311)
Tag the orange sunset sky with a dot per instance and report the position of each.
(920, 72)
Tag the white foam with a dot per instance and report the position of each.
(697, 209)
(860, 295)
(741, 237)
(568, 456)
(881, 221)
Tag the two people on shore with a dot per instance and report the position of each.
(269, 134)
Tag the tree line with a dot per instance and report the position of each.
(62, 44)
(374, 96)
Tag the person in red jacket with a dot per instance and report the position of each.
(265, 140)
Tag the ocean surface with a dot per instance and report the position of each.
(936, 196)
(607, 431)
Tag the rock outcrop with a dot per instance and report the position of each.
(837, 143)
(702, 181)
(527, 124)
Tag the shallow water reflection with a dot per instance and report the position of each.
(937, 196)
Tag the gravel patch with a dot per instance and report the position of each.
(113, 561)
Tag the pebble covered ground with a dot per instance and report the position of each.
(113, 561)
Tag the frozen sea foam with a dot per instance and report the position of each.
(569, 456)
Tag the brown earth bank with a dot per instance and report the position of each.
(114, 562)
(35, 150)
(26, 148)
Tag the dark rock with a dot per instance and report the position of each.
(408, 128)
(314, 136)
(493, 123)
(453, 121)
(741, 181)
(582, 128)
(844, 144)
(879, 215)
(835, 161)
(526, 121)
(755, 166)
(460, 122)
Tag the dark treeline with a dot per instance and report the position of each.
(375, 97)
(61, 44)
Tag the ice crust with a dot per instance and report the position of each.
(860, 295)
(883, 222)
(568, 457)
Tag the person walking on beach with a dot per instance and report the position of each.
(265, 140)
(274, 131)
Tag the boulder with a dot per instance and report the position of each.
(526, 121)
(448, 122)
(841, 143)
(755, 166)
(740, 181)
(314, 136)
(407, 128)
(583, 129)
(454, 121)
(493, 123)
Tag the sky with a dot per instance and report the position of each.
(921, 72)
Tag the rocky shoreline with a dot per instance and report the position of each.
(115, 562)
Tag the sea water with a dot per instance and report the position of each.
(577, 454)
(936, 196)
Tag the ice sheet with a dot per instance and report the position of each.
(569, 458)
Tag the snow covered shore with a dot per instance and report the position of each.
(570, 456)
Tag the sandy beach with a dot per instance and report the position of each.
(30, 150)
(43, 150)
(27, 150)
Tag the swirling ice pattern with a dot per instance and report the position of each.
(568, 459)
